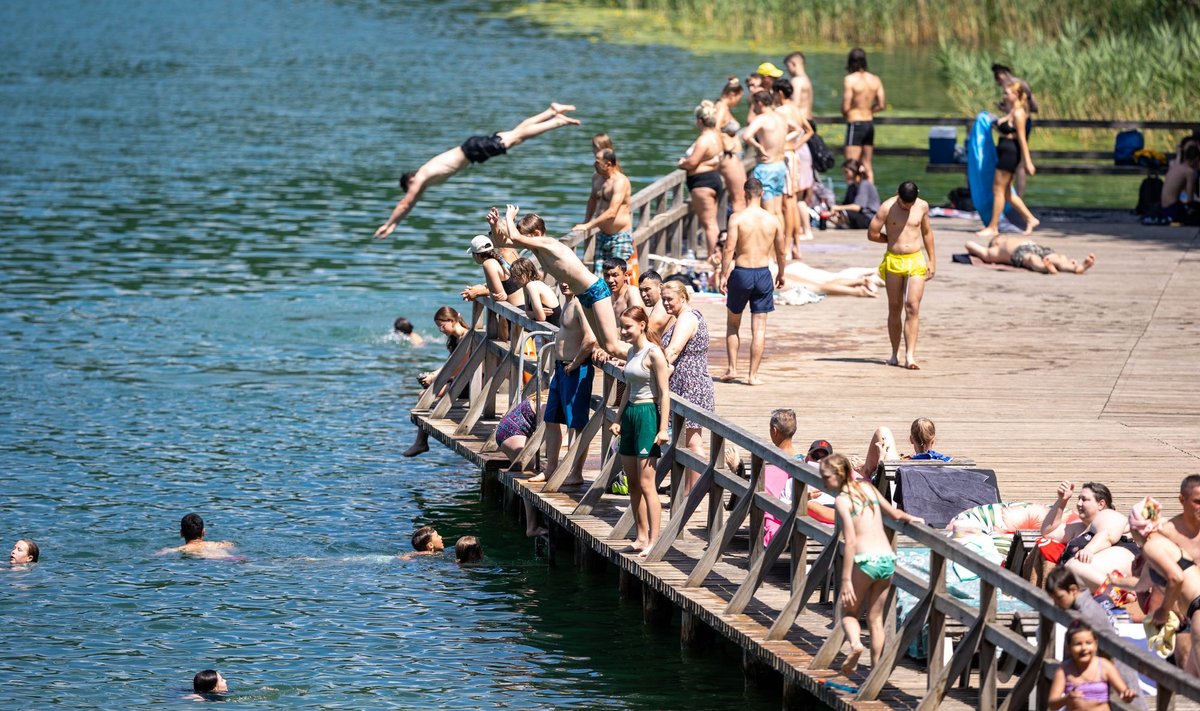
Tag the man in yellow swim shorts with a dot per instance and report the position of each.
(903, 223)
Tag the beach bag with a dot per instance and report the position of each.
(1128, 143)
(1150, 197)
(823, 158)
(960, 199)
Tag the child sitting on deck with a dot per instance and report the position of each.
(868, 560)
(1084, 680)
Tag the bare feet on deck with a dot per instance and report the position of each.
(851, 662)
(912, 365)
(986, 233)
(1031, 226)
(417, 448)
(635, 547)
(537, 478)
(574, 481)
(754, 380)
(1087, 263)
(728, 377)
(892, 361)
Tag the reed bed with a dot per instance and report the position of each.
(1140, 73)
(888, 23)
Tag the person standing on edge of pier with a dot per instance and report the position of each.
(905, 219)
(868, 560)
(642, 417)
(608, 211)
(746, 277)
(862, 98)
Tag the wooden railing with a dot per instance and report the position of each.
(483, 364)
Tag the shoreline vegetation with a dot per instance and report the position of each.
(1129, 59)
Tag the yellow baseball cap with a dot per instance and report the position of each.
(769, 70)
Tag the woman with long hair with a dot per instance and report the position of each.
(703, 178)
(641, 424)
(733, 170)
(685, 343)
(861, 201)
(455, 328)
(1012, 149)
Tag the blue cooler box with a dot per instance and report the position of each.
(941, 144)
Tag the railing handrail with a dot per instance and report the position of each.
(807, 476)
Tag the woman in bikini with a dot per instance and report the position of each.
(703, 178)
(868, 560)
(733, 170)
(641, 424)
(1083, 681)
(541, 299)
(1011, 149)
(1168, 569)
(1097, 544)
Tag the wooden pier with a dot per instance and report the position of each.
(1040, 378)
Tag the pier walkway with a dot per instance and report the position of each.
(1040, 378)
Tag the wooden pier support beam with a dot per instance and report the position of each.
(629, 586)
(656, 608)
(588, 560)
(758, 672)
(694, 635)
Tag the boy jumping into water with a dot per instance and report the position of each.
(904, 269)
(561, 262)
(476, 149)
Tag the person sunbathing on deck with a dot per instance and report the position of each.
(476, 149)
(1020, 251)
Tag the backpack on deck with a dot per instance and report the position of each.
(1150, 197)
(1127, 143)
(822, 158)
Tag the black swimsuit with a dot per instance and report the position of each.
(1008, 154)
(479, 148)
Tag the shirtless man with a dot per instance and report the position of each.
(1180, 178)
(795, 213)
(1020, 251)
(802, 92)
(476, 149)
(650, 287)
(570, 391)
(608, 211)
(862, 98)
(768, 134)
(560, 261)
(191, 529)
(616, 275)
(905, 218)
(754, 235)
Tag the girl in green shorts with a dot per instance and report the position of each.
(868, 560)
(642, 423)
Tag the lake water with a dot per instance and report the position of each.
(195, 318)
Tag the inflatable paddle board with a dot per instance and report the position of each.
(981, 165)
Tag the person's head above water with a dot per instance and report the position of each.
(402, 325)
(426, 539)
(908, 192)
(191, 527)
(468, 550)
(24, 551)
(209, 681)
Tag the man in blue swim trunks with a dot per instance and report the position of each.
(561, 262)
(475, 149)
(769, 134)
(567, 402)
(754, 235)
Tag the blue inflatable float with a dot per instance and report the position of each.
(981, 165)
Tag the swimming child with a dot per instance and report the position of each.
(425, 541)
(191, 529)
(209, 682)
(868, 558)
(24, 552)
(468, 550)
(402, 329)
(1083, 681)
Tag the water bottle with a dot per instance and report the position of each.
(690, 254)
(703, 281)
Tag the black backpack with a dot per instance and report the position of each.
(1150, 197)
(822, 158)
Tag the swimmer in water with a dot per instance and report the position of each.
(24, 552)
(476, 149)
(402, 329)
(191, 528)
(425, 541)
(468, 550)
(208, 683)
